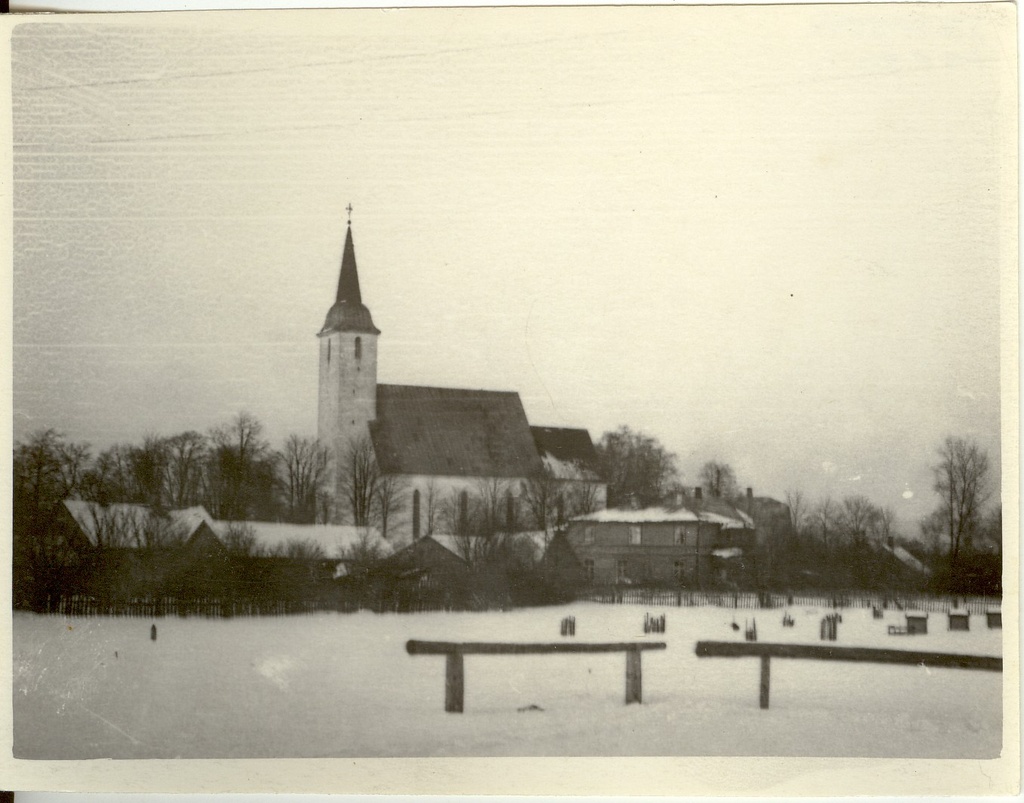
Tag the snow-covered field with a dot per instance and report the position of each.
(333, 685)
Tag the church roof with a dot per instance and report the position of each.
(568, 454)
(349, 314)
(452, 432)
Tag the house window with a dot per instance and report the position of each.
(588, 534)
(634, 534)
(416, 513)
(679, 570)
(359, 348)
(620, 571)
(588, 568)
(679, 536)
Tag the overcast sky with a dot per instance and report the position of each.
(771, 236)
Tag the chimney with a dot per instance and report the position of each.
(698, 493)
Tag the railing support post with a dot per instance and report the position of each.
(454, 680)
(766, 679)
(634, 677)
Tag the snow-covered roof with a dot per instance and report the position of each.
(568, 454)
(735, 520)
(993, 609)
(731, 552)
(333, 539)
(458, 545)
(130, 519)
(907, 559)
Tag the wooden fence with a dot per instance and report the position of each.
(756, 600)
(454, 674)
(937, 660)
(149, 607)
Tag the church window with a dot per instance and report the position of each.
(359, 348)
(416, 513)
(510, 512)
(328, 352)
(463, 512)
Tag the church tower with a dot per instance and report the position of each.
(348, 366)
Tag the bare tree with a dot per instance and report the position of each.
(718, 479)
(303, 550)
(797, 511)
(148, 466)
(857, 518)
(581, 498)
(185, 455)
(636, 466)
(825, 517)
(389, 498)
(358, 478)
(961, 478)
(238, 465)
(304, 464)
(540, 491)
(884, 525)
(240, 539)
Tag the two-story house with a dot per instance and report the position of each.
(694, 541)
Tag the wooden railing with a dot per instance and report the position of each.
(932, 660)
(454, 679)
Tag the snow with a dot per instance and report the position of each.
(333, 539)
(331, 685)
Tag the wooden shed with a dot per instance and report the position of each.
(959, 619)
(917, 623)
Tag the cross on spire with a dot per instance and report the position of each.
(349, 210)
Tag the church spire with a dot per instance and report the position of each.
(349, 314)
(348, 282)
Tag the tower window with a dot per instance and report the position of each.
(359, 348)
(416, 513)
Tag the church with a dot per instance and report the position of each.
(443, 449)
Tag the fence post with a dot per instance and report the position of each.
(454, 681)
(634, 678)
(766, 679)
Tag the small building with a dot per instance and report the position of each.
(692, 542)
(917, 623)
(994, 618)
(959, 619)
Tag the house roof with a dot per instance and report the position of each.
(452, 432)
(92, 517)
(711, 511)
(568, 454)
(349, 314)
(907, 559)
(332, 539)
